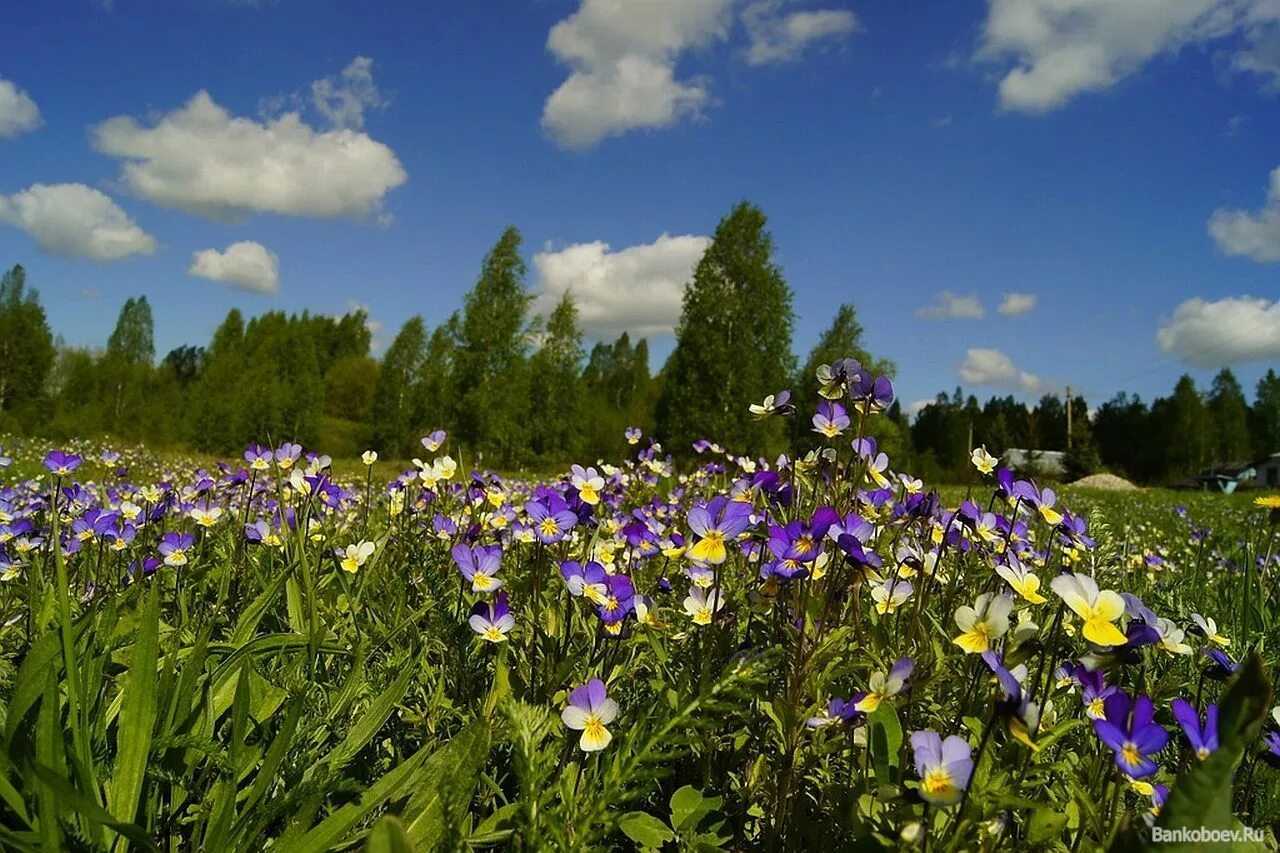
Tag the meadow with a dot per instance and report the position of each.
(280, 652)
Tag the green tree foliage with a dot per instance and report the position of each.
(1265, 416)
(490, 363)
(26, 346)
(1184, 429)
(1229, 420)
(733, 343)
(393, 404)
(555, 383)
(619, 393)
(125, 370)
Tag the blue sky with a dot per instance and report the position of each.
(1112, 164)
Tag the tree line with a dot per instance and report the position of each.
(515, 388)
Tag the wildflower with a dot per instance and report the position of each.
(1024, 583)
(890, 594)
(287, 454)
(884, 686)
(173, 547)
(982, 460)
(1172, 637)
(1267, 502)
(1207, 628)
(369, 457)
(492, 620)
(716, 523)
(206, 516)
(479, 565)
(587, 581)
(632, 435)
(986, 621)
(588, 482)
(1093, 692)
(1016, 705)
(355, 556)
(944, 766)
(773, 405)
(550, 518)
(1045, 506)
(1128, 730)
(590, 710)
(259, 457)
(702, 605)
(837, 711)
(1272, 753)
(60, 463)
(618, 599)
(1221, 666)
(1098, 608)
(831, 419)
(1204, 740)
(434, 441)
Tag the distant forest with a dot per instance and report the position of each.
(523, 390)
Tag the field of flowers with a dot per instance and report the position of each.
(819, 653)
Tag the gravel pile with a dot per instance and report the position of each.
(1105, 482)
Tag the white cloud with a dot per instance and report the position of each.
(639, 289)
(203, 160)
(992, 367)
(779, 37)
(1017, 304)
(622, 57)
(915, 407)
(76, 221)
(245, 265)
(1228, 331)
(953, 306)
(18, 113)
(1253, 235)
(1063, 48)
(343, 99)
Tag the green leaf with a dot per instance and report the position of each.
(374, 717)
(645, 829)
(885, 741)
(69, 799)
(689, 807)
(1045, 825)
(336, 826)
(448, 780)
(389, 836)
(138, 714)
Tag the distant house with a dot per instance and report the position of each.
(1048, 462)
(1268, 471)
(1225, 478)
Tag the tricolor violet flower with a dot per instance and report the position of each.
(944, 767)
(492, 621)
(590, 710)
(831, 419)
(61, 463)
(479, 564)
(173, 548)
(1204, 740)
(885, 685)
(550, 518)
(716, 523)
(1129, 731)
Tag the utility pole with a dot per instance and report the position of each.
(1068, 417)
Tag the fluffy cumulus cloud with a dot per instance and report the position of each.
(1058, 49)
(1228, 331)
(201, 159)
(622, 58)
(75, 221)
(1017, 304)
(993, 367)
(18, 113)
(778, 36)
(1250, 234)
(343, 99)
(245, 265)
(638, 289)
(953, 306)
